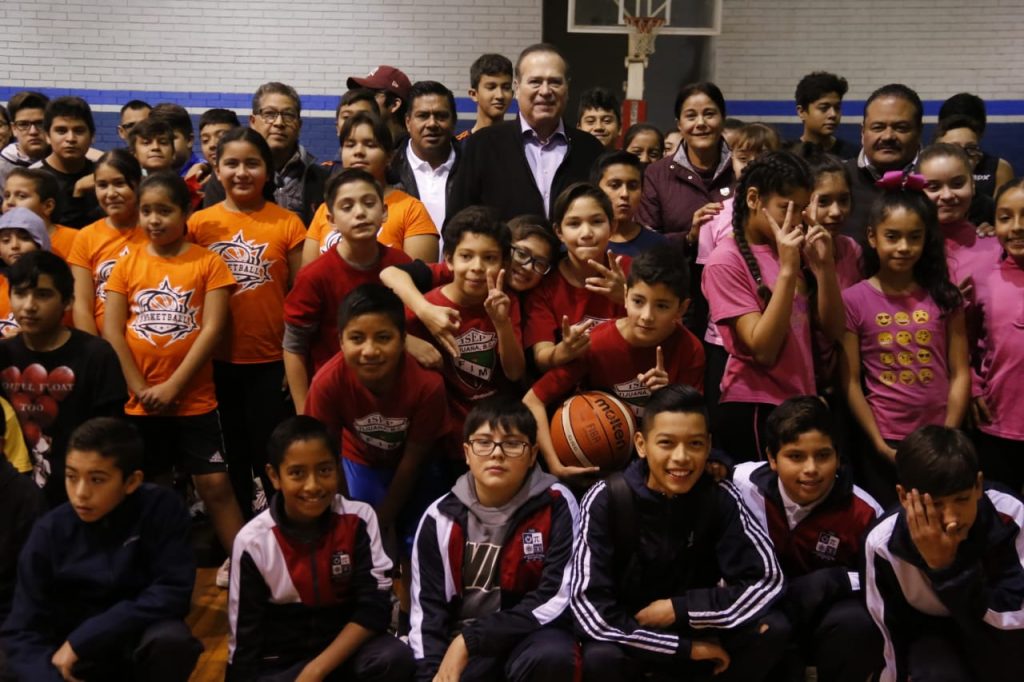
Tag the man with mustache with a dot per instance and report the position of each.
(891, 140)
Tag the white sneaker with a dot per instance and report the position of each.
(224, 574)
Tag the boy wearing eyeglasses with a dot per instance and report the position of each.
(490, 564)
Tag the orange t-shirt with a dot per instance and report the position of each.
(97, 248)
(8, 327)
(62, 239)
(165, 313)
(255, 248)
(407, 217)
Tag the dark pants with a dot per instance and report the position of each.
(1002, 460)
(715, 357)
(545, 655)
(166, 652)
(876, 474)
(978, 653)
(739, 430)
(252, 403)
(843, 644)
(752, 656)
(381, 659)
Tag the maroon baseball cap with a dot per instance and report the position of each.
(384, 77)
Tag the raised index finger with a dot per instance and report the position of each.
(660, 359)
(500, 284)
(812, 214)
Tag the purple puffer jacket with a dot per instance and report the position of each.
(673, 190)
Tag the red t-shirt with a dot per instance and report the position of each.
(477, 372)
(375, 428)
(555, 297)
(611, 364)
(319, 289)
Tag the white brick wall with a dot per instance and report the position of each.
(209, 46)
(937, 47)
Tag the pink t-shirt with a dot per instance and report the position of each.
(1001, 301)
(969, 255)
(902, 357)
(849, 261)
(732, 292)
(714, 231)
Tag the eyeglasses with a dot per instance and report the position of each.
(270, 115)
(521, 256)
(484, 447)
(23, 126)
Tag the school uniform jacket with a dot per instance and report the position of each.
(685, 547)
(821, 555)
(983, 588)
(493, 171)
(99, 585)
(533, 568)
(292, 592)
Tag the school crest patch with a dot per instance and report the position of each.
(385, 433)
(245, 260)
(164, 311)
(477, 356)
(341, 566)
(827, 546)
(634, 393)
(533, 545)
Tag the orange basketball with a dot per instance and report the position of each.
(593, 429)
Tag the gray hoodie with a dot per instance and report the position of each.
(486, 531)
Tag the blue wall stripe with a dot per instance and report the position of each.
(464, 105)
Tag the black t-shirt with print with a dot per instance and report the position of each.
(53, 392)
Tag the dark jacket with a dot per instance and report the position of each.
(685, 548)
(21, 503)
(493, 171)
(534, 567)
(822, 555)
(673, 191)
(400, 173)
(293, 592)
(982, 590)
(99, 585)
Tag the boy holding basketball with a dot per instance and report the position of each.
(489, 338)
(633, 356)
(490, 564)
(672, 576)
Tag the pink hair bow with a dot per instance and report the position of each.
(901, 180)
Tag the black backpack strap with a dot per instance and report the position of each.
(622, 518)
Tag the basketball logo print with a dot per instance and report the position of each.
(102, 275)
(245, 260)
(8, 326)
(163, 311)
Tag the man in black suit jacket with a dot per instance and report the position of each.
(520, 166)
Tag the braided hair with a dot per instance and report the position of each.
(777, 173)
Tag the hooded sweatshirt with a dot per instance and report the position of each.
(493, 574)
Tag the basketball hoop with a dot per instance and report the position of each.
(642, 32)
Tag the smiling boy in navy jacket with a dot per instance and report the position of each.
(672, 577)
(490, 583)
(105, 580)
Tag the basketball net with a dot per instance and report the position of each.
(642, 32)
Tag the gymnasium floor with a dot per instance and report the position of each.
(209, 622)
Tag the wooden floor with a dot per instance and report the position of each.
(209, 622)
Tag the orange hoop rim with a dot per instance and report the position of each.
(644, 25)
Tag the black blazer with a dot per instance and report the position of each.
(494, 171)
(400, 173)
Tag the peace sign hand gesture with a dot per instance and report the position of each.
(497, 303)
(789, 239)
(818, 240)
(612, 280)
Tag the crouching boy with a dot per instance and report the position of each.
(309, 593)
(945, 571)
(672, 576)
(490, 582)
(817, 520)
(104, 581)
